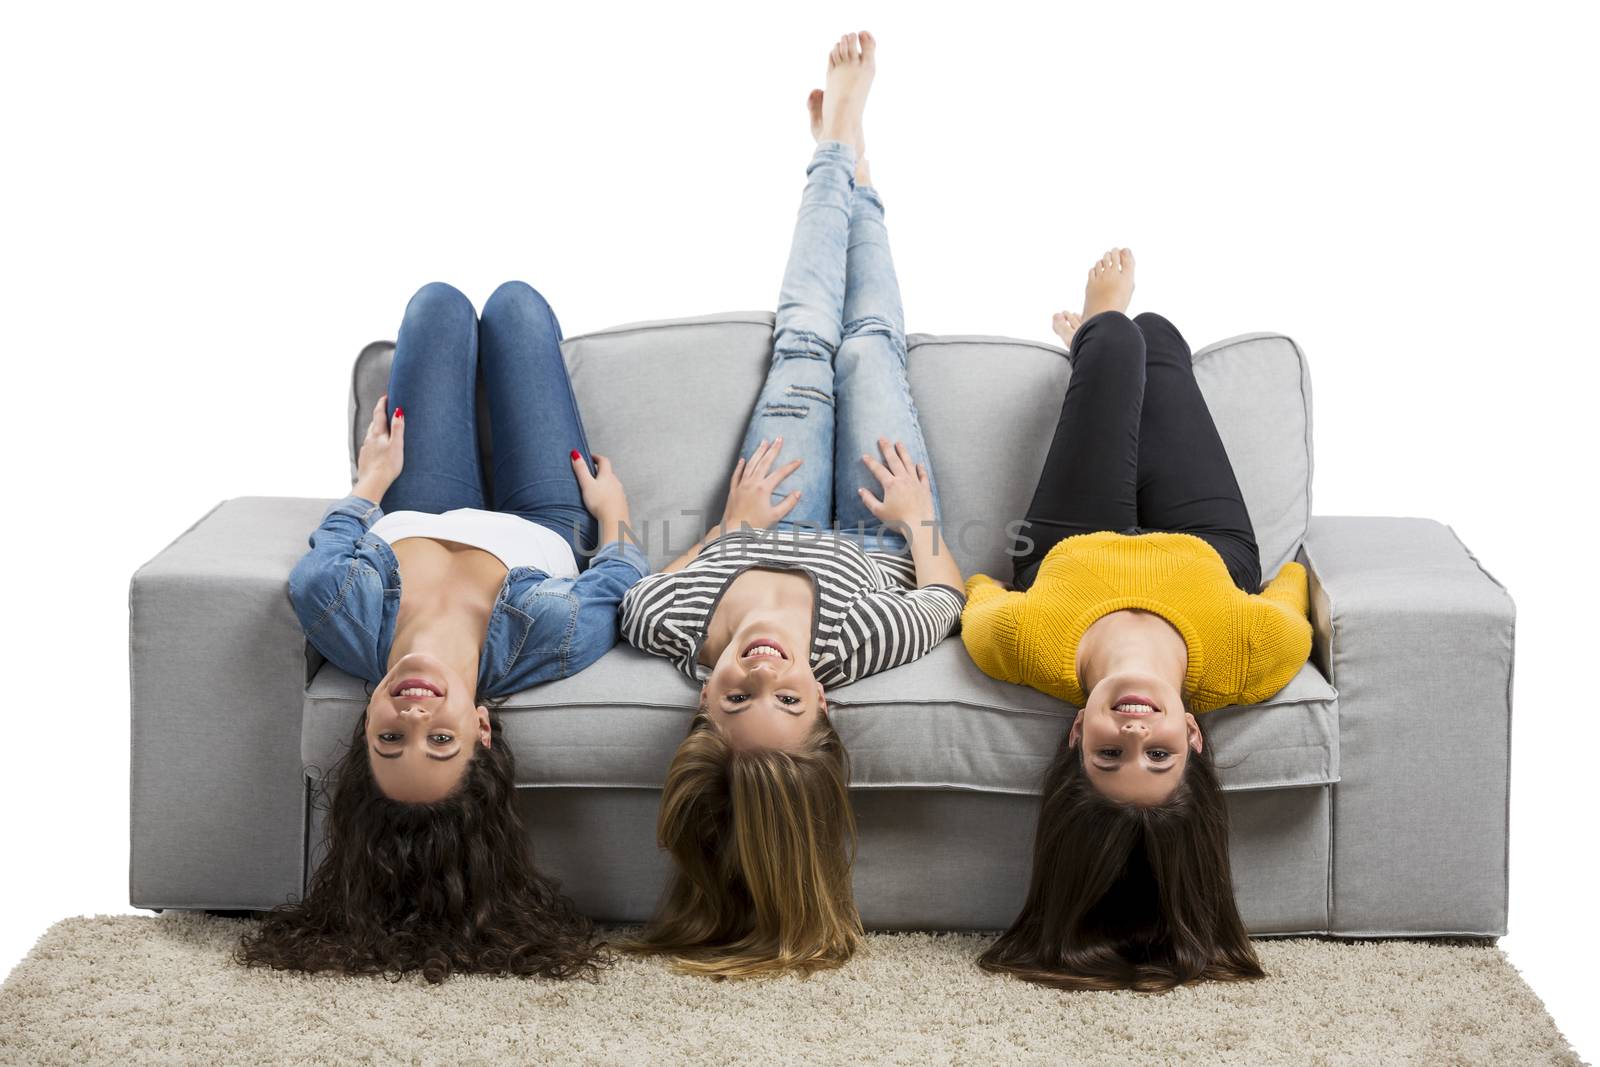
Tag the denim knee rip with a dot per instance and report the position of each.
(876, 325)
(810, 392)
(802, 344)
(799, 393)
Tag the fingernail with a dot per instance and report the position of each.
(399, 413)
(574, 453)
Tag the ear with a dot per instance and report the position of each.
(1197, 740)
(1075, 735)
(822, 700)
(702, 708)
(485, 734)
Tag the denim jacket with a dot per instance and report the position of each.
(346, 593)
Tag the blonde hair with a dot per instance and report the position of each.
(763, 841)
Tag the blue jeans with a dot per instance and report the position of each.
(838, 376)
(533, 416)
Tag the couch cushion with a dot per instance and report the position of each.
(668, 402)
(938, 723)
(1258, 389)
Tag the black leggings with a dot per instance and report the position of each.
(1135, 451)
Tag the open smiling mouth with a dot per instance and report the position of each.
(1135, 704)
(764, 646)
(416, 687)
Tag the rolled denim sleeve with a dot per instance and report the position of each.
(623, 551)
(344, 523)
(599, 590)
(327, 588)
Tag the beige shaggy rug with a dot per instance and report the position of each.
(129, 990)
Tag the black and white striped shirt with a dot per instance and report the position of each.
(869, 615)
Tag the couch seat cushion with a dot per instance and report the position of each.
(939, 723)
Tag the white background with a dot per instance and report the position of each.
(208, 210)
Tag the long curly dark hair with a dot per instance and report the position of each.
(437, 888)
(1128, 897)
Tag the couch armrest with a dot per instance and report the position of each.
(1417, 638)
(218, 667)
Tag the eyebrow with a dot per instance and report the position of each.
(397, 755)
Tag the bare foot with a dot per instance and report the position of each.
(1065, 324)
(1110, 285)
(851, 65)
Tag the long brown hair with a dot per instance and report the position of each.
(763, 841)
(1128, 897)
(437, 888)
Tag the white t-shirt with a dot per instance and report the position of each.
(515, 541)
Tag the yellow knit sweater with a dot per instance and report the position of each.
(1243, 648)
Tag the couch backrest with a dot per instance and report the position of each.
(668, 402)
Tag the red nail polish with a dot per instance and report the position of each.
(399, 413)
(574, 453)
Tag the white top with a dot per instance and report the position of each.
(515, 541)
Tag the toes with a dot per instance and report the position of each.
(869, 45)
(851, 49)
(1065, 324)
(1127, 259)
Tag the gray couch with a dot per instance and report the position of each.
(1368, 797)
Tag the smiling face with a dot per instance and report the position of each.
(422, 728)
(761, 692)
(1134, 738)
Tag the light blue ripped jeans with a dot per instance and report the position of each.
(838, 376)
